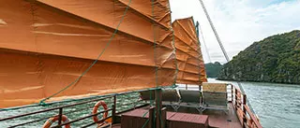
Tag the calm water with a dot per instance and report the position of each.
(277, 105)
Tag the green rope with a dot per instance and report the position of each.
(156, 67)
(174, 49)
(42, 102)
(155, 61)
(198, 41)
(144, 125)
(155, 54)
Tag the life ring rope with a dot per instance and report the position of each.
(95, 111)
(65, 119)
(51, 120)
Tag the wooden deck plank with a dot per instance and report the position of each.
(186, 117)
(217, 119)
(186, 120)
(174, 119)
(221, 120)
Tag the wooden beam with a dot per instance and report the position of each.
(254, 119)
(114, 110)
(151, 117)
(244, 111)
(158, 100)
(163, 117)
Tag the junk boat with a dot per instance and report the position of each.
(123, 59)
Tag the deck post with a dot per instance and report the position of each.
(236, 98)
(151, 117)
(114, 109)
(231, 93)
(60, 116)
(158, 100)
(200, 87)
(113, 114)
(244, 110)
(163, 117)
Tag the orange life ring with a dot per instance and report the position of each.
(49, 122)
(95, 109)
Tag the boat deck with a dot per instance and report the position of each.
(220, 120)
(216, 119)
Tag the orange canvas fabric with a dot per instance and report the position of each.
(47, 44)
(188, 52)
(26, 78)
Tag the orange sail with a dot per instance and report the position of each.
(45, 45)
(59, 49)
(188, 53)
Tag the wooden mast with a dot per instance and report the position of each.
(158, 107)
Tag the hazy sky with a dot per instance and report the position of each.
(239, 22)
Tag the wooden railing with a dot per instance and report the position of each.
(239, 101)
(114, 103)
(244, 113)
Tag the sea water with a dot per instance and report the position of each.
(277, 105)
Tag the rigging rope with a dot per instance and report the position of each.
(42, 102)
(204, 42)
(215, 31)
(156, 75)
(196, 27)
(222, 48)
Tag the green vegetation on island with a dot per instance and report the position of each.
(274, 59)
(213, 69)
